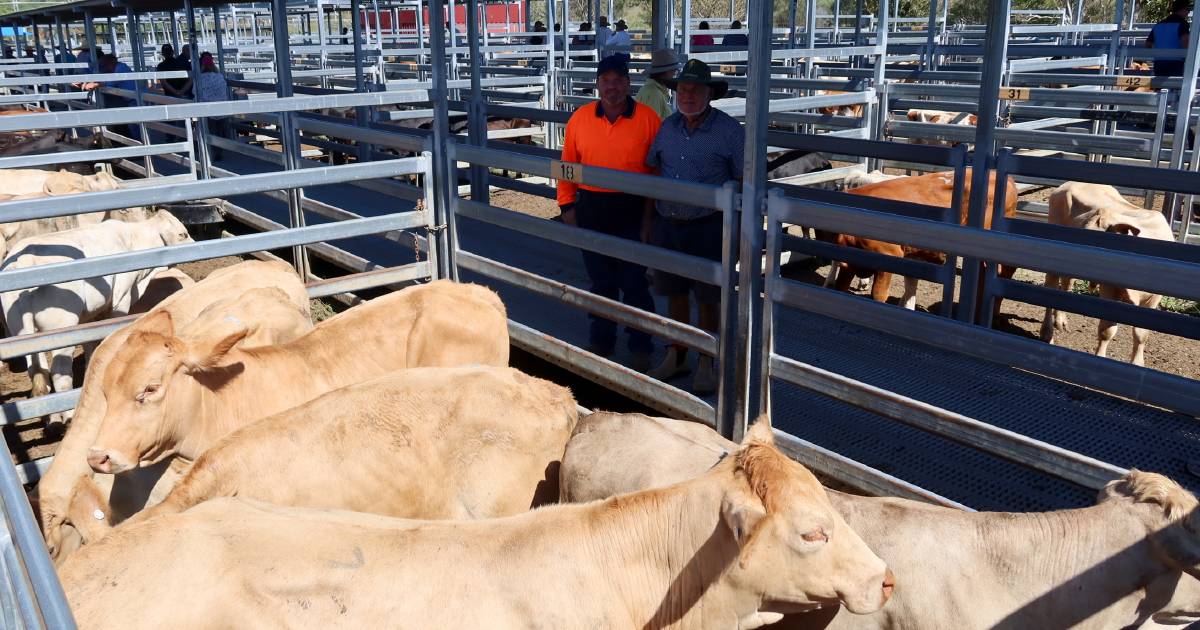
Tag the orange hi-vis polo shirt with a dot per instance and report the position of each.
(594, 141)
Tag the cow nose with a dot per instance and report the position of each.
(889, 584)
(99, 460)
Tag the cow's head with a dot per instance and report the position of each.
(1110, 220)
(171, 229)
(795, 549)
(150, 393)
(1169, 513)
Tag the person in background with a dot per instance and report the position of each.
(9, 53)
(603, 32)
(172, 87)
(345, 36)
(1171, 33)
(703, 40)
(85, 56)
(620, 42)
(559, 41)
(210, 87)
(64, 55)
(735, 39)
(698, 143)
(614, 132)
(584, 41)
(654, 93)
(538, 40)
(109, 64)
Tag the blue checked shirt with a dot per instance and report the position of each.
(712, 153)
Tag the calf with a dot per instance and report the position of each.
(934, 189)
(1114, 565)
(219, 292)
(430, 443)
(1100, 207)
(751, 538)
(66, 304)
(176, 395)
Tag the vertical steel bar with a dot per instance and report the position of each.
(289, 136)
(996, 49)
(89, 33)
(881, 40)
(751, 396)
(686, 29)
(476, 114)
(791, 42)
(443, 182)
(139, 65)
(927, 62)
(362, 115)
(727, 387)
(810, 34)
(1160, 123)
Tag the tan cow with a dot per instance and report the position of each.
(1108, 566)
(70, 461)
(173, 396)
(933, 189)
(855, 110)
(24, 181)
(732, 548)
(433, 443)
(1100, 207)
(941, 118)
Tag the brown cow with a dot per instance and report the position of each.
(941, 118)
(934, 189)
(169, 395)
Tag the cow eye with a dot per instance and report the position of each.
(816, 536)
(148, 391)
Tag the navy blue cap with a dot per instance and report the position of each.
(613, 63)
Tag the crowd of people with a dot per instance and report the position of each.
(691, 141)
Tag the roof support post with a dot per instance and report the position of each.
(686, 29)
(112, 36)
(750, 396)
(133, 27)
(994, 62)
(321, 41)
(89, 34)
(810, 33)
(1183, 119)
(660, 32)
(444, 181)
(477, 112)
(175, 37)
(928, 62)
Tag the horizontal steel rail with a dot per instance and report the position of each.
(9, 99)
(873, 482)
(1080, 469)
(93, 155)
(90, 78)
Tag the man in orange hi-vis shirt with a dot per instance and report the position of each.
(615, 132)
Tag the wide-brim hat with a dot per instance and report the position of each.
(696, 71)
(664, 60)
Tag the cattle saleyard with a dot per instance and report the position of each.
(289, 462)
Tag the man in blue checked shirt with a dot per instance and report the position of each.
(697, 143)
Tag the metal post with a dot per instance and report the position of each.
(175, 35)
(985, 149)
(139, 65)
(444, 182)
(551, 73)
(686, 29)
(927, 63)
(289, 136)
(1114, 44)
(660, 33)
(751, 396)
(858, 13)
(810, 34)
(791, 43)
(219, 36)
(89, 33)
(420, 35)
(362, 115)
(881, 40)
(836, 37)
(324, 59)
(476, 113)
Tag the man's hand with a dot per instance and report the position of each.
(568, 215)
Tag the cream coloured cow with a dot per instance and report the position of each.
(734, 547)
(862, 178)
(50, 307)
(1114, 565)
(218, 291)
(168, 395)
(941, 118)
(425, 443)
(1100, 207)
(11, 233)
(24, 181)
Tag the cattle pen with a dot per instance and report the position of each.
(359, 150)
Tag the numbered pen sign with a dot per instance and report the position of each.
(522, 62)
(1132, 82)
(567, 171)
(728, 69)
(1014, 94)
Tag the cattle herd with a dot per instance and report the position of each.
(229, 464)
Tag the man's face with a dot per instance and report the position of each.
(691, 99)
(613, 87)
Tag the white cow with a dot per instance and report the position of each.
(1127, 562)
(49, 307)
(24, 181)
(862, 178)
(1100, 207)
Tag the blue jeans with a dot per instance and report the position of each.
(620, 215)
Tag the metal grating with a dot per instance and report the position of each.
(1111, 429)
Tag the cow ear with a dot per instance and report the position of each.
(207, 354)
(760, 432)
(159, 322)
(744, 515)
(973, 119)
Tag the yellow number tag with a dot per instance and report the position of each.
(1014, 94)
(727, 69)
(522, 62)
(567, 171)
(1133, 81)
